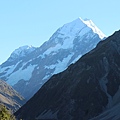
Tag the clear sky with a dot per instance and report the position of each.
(32, 22)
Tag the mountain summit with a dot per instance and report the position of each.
(28, 73)
(79, 25)
(21, 52)
(95, 29)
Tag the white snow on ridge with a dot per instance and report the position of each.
(21, 74)
(79, 24)
(95, 29)
(21, 51)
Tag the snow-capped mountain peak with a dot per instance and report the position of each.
(73, 28)
(22, 51)
(95, 29)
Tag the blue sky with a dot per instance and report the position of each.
(32, 22)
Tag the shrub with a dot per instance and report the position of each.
(5, 114)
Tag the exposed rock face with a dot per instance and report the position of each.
(28, 68)
(9, 97)
(84, 90)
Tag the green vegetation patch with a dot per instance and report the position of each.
(5, 114)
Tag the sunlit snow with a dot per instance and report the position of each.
(90, 24)
(10, 69)
(60, 65)
(24, 74)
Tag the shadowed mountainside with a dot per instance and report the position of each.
(84, 90)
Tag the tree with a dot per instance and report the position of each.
(5, 114)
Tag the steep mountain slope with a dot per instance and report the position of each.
(9, 97)
(66, 46)
(84, 90)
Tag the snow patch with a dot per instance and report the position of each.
(52, 49)
(76, 59)
(42, 56)
(9, 69)
(62, 65)
(67, 43)
(21, 74)
(46, 77)
(50, 66)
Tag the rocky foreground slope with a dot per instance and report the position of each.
(9, 97)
